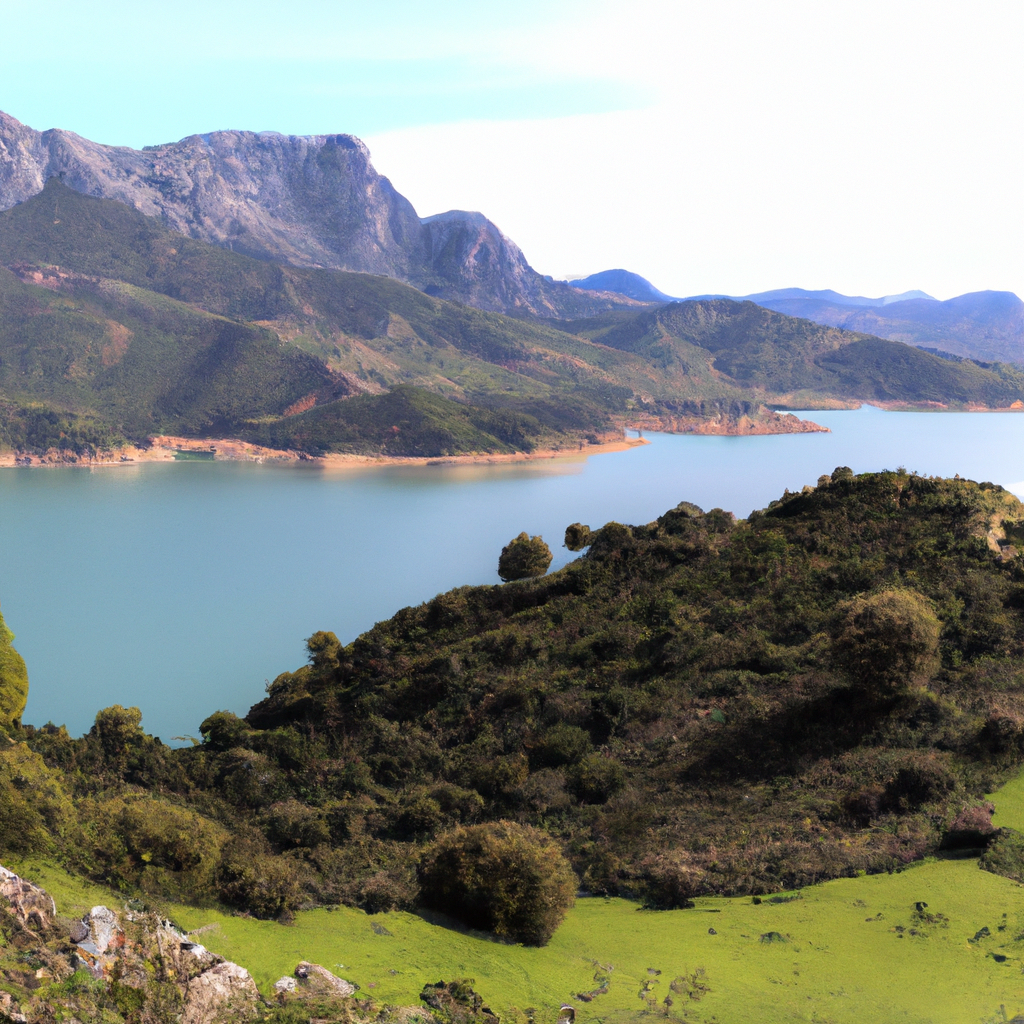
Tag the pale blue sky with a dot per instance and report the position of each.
(142, 73)
(871, 146)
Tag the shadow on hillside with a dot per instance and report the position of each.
(796, 735)
(435, 917)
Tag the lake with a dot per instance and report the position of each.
(183, 588)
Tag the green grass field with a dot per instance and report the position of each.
(850, 951)
(846, 952)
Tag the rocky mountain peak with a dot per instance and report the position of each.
(313, 201)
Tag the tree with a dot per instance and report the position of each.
(577, 536)
(883, 641)
(13, 680)
(524, 558)
(118, 729)
(501, 877)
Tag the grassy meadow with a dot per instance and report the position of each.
(851, 950)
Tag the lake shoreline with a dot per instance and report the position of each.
(175, 449)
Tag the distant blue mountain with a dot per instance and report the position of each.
(827, 295)
(623, 282)
(987, 326)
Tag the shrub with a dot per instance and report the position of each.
(118, 729)
(577, 536)
(166, 849)
(562, 744)
(524, 558)
(667, 882)
(596, 778)
(13, 680)
(883, 641)
(1005, 855)
(35, 809)
(253, 879)
(224, 730)
(501, 877)
(291, 823)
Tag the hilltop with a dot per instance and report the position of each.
(694, 706)
(979, 325)
(987, 326)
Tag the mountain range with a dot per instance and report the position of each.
(987, 326)
(114, 326)
(203, 299)
(318, 202)
(313, 201)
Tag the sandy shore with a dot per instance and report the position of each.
(483, 459)
(167, 449)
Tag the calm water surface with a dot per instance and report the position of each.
(182, 588)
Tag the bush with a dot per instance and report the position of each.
(224, 730)
(13, 680)
(667, 881)
(166, 849)
(118, 729)
(562, 744)
(524, 558)
(596, 778)
(501, 877)
(577, 536)
(883, 641)
(253, 879)
(1005, 855)
(36, 812)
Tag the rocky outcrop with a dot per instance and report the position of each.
(313, 201)
(225, 991)
(32, 906)
(169, 972)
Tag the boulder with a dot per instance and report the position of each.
(104, 931)
(9, 1009)
(32, 906)
(316, 980)
(224, 990)
(102, 940)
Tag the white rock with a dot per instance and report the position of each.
(225, 986)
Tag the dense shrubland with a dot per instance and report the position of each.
(696, 705)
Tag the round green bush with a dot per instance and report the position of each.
(885, 641)
(523, 558)
(500, 877)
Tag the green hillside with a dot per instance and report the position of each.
(121, 328)
(695, 706)
(792, 358)
(703, 716)
(855, 950)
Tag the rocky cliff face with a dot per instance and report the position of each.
(312, 201)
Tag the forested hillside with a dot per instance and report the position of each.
(115, 328)
(697, 705)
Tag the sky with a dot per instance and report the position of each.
(725, 146)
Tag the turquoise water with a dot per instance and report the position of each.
(183, 587)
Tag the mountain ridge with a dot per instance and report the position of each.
(986, 325)
(313, 201)
(115, 323)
